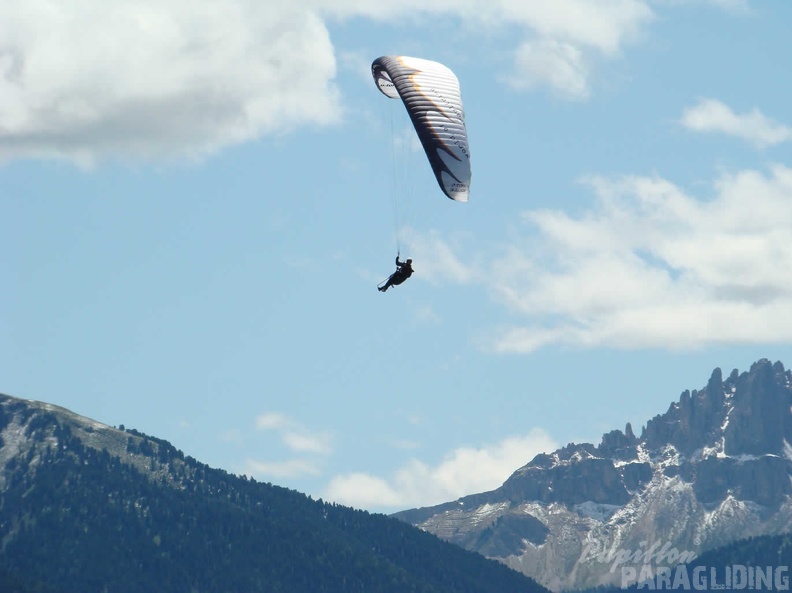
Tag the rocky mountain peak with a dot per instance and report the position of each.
(693, 421)
(758, 418)
(747, 414)
(619, 445)
(715, 467)
(740, 419)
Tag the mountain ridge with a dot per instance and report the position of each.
(91, 508)
(715, 467)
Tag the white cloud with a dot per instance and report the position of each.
(653, 267)
(164, 79)
(604, 25)
(465, 470)
(308, 443)
(294, 435)
(438, 257)
(567, 37)
(361, 490)
(557, 64)
(555, 35)
(710, 115)
(298, 439)
(272, 421)
(152, 79)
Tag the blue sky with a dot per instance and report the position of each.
(198, 199)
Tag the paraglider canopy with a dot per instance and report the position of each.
(430, 92)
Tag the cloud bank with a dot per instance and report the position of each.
(166, 79)
(465, 470)
(158, 79)
(651, 266)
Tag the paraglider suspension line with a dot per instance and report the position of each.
(395, 184)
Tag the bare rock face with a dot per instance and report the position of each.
(759, 415)
(715, 467)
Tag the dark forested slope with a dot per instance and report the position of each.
(85, 507)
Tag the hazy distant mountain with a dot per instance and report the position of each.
(88, 508)
(716, 467)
